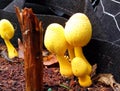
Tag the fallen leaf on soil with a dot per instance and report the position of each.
(4, 54)
(100, 89)
(108, 79)
(50, 59)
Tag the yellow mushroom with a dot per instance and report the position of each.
(78, 32)
(80, 69)
(85, 81)
(7, 32)
(55, 42)
(79, 66)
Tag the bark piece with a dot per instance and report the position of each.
(31, 30)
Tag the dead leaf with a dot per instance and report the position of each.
(5, 56)
(99, 89)
(45, 53)
(20, 49)
(50, 59)
(108, 79)
(94, 67)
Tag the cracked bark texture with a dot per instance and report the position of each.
(32, 40)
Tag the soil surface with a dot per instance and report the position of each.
(12, 77)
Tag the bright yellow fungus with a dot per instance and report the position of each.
(78, 33)
(79, 66)
(85, 81)
(55, 42)
(7, 32)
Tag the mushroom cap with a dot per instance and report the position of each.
(79, 66)
(78, 30)
(54, 39)
(6, 29)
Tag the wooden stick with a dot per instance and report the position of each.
(31, 30)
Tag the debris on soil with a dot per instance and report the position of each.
(108, 79)
(12, 78)
(49, 59)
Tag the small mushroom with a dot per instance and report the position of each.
(78, 32)
(80, 69)
(7, 32)
(85, 81)
(55, 42)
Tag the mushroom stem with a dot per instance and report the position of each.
(71, 52)
(79, 53)
(79, 67)
(85, 81)
(65, 66)
(11, 50)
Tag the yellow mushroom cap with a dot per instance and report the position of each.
(78, 30)
(54, 39)
(79, 67)
(6, 29)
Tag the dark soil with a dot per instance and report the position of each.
(12, 78)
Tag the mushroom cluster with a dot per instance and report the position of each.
(75, 35)
(7, 32)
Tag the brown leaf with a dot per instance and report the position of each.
(50, 59)
(100, 89)
(94, 67)
(5, 56)
(20, 49)
(108, 79)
